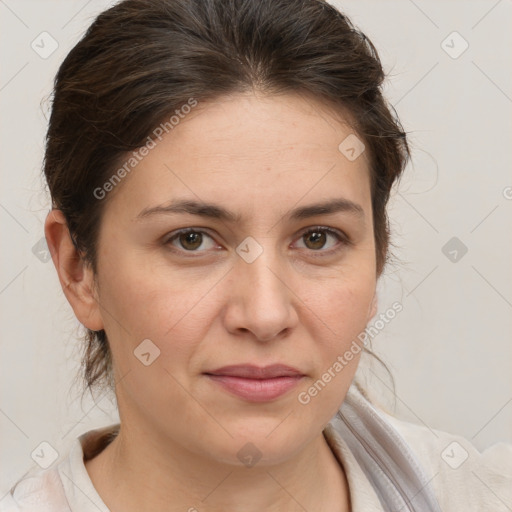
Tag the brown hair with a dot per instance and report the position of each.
(141, 60)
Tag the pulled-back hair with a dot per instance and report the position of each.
(142, 60)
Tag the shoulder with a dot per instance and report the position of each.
(462, 477)
(66, 485)
(38, 488)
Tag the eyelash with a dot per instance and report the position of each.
(342, 237)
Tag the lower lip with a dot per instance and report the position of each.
(257, 390)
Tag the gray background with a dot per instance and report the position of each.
(449, 349)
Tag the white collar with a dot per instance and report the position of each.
(382, 472)
(383, 455)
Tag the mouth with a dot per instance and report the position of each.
(256, 384)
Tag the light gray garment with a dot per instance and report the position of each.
(386, 459)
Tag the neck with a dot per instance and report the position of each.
(148, 477)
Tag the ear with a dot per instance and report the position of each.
(76, 278)
(372, 310)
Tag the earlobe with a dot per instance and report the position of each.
(75, 276)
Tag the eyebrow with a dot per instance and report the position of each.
(214, 211)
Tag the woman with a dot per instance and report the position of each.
(219, 172)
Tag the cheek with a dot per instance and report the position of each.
(142, 303)
(338, 316)
(342, 306)
(170, 314)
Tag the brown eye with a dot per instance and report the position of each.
(316, 239)
(191, 240)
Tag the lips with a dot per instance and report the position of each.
(256, 384)
(248, 371)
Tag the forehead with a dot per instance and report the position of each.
(252, 152)
(251, 124)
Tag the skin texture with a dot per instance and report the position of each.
(260, 157)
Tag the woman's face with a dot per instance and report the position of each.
(257, 291)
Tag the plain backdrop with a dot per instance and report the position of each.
(449, 350)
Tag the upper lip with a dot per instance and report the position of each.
(249, 371)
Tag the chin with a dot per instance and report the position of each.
(260, 444)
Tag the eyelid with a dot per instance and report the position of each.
(175, 234)
(343, 239)
(333, 231)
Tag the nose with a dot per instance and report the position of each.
(260, 299)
